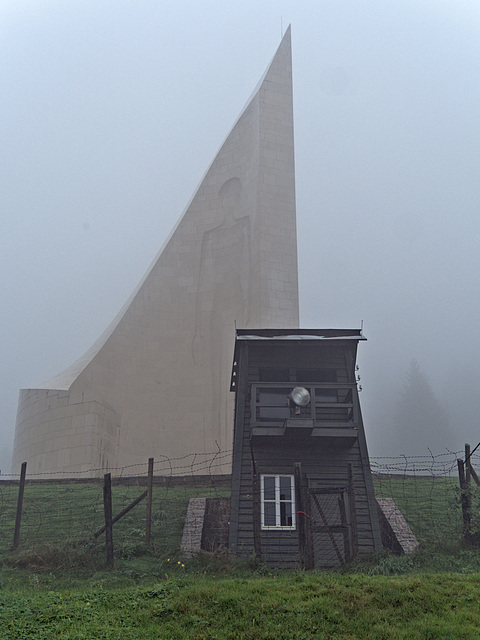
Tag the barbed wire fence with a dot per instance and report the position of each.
(426, 490)
(58, 511)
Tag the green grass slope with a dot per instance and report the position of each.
(295, 606)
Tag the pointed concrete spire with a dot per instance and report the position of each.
(157, 382)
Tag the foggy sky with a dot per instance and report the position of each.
(111, 112)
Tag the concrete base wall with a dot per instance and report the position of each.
(58, 431)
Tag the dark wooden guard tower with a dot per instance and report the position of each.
(302, 492)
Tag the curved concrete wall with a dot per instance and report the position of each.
(157, 382)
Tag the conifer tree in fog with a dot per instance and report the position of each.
(420, 422)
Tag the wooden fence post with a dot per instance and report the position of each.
(18, 519)
(121, 513)
(470, 471)
(467, 465)
(107, 507)
(464, 498)
(148, 518)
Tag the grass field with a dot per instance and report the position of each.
(431, 505)
(57, 514)
(52, 587)
(300, 606)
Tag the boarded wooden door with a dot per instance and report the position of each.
(331, 529)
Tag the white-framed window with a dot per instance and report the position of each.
(277, 501)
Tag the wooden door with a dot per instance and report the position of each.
(331, 529)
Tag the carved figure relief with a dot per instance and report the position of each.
(223, 295)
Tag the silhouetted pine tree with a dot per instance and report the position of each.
(420, 422)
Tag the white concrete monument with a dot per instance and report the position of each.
(157, 381)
